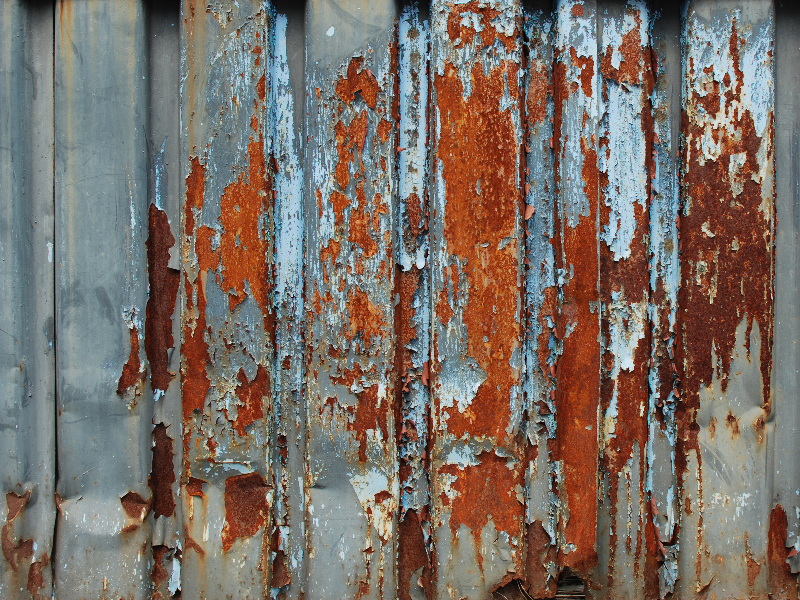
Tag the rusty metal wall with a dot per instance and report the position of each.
(461, 299)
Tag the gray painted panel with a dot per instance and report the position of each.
(27, 385)
(104, 415)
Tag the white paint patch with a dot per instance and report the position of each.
(50, 252)
(330, 32)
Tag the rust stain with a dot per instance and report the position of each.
(782, 582)
(35, 577)
(539, 553)
(358, 80)
(162, 473)
(461, 34)
(132, 372)
(477, 147)
(135, 506)
(246, 507)
(483, 490)
(251, 394)
(14, 553)
(412, 555)
(578, 368)
(194, 379)
(366, 319)
(158, 574)
(164, 283)
(194, 487)
(244, 244)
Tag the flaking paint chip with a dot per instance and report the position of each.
(331, 31)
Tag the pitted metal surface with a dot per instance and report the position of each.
(460, 299)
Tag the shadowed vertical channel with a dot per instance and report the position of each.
(412, 313)
(542, 346)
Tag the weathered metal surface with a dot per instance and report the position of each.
(664, 513)
(27, 386)
(577, 394)
(162, 322)
(288, 545)
(477, 468)
(228, 315)
(541, 298)
(626, 169)
(371, 300)
(725, 320)
(412, 311)
(352, 474)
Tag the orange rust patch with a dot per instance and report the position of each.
(634, 56)
(15, 553)
(244, 243)
(461, 34)
(586, 65)
(135, 507)
(478, 149)
(132, 372)
(368, 416)
(577, 10)
(164, 283)
(358, 80)
(162, 473)
(365, 317)
(384, 130)
(782, 582)
(194, 487)
(360, 225)
(194, 350)
(577, 393)
(537, 95)
(246, 507)
(251, 394)
(207, 259)
(412, 555)
(488, 489)
(195, 188)
(539, 552)
(35, 577)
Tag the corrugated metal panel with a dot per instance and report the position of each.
(372, 300)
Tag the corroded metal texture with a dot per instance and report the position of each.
(27, 386)
(626, 168)
(288, 546)
(412, 311)
(725, 319)
(352, 477)
(541, 298)
(474, 299)
(477, 468)
(577, 327)
(228, 314)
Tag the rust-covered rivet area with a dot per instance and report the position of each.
(400, 300)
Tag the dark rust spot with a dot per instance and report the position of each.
(246, 507)
(164, 283)
(251, 394)
(162, 473)
(132, 372)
